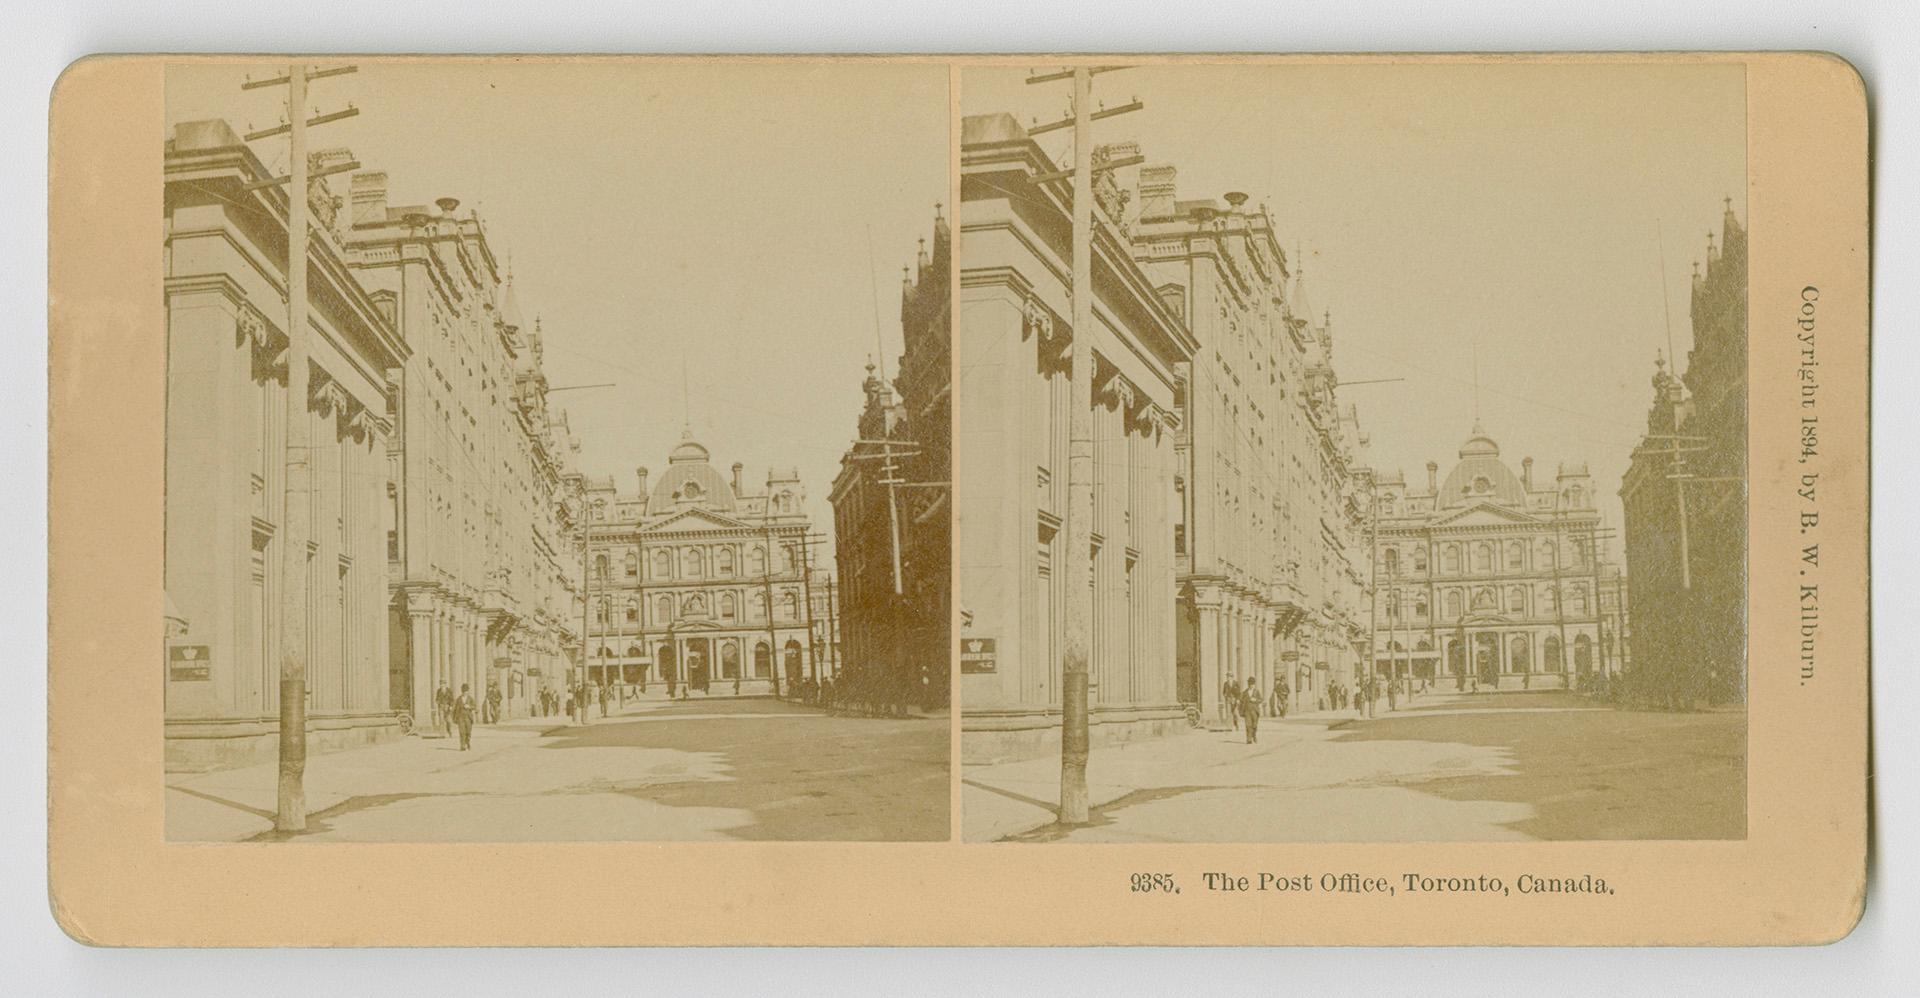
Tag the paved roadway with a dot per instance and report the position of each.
(725, 768)
(1490, 767)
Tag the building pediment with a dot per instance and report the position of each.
(697, 520)
(1484, 514)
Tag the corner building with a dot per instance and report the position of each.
(898, 628)
(225, 282)
(1010, 452)
(1686, 500)
(1492, 580)
(697, 579)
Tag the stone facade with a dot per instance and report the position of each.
(1011, 448)
(1492, 580)
(681, 574)
(1687, 536)
(1266, 537)
(899, 629)
(480, 590)
(225, 274)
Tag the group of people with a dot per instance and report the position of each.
(1244, 704)
(862, 694)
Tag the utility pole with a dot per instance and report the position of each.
(296, 501)
(833, 633)
(766, 585)
(586, 593)
(1074, 664)
(806, 587)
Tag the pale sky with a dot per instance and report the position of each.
(716, 216)
(1513, 207)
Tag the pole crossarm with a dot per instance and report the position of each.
(1112, 164)
(1105, 112)
(285, 129)
(347, 167)
(282, 80)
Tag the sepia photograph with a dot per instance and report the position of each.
(1353, 453)
(588, 479)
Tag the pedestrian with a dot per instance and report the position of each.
(493, 703)
(603, 701)
(443, 708)
(1278, 703)
(1250, 705)
(463, 716)
(1230, 700)
(1393, 694)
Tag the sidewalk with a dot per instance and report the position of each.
(1301, 765)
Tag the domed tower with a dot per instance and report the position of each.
(690, 481)
(1481, 476)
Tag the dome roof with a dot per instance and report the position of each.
(1481, 476)
(689, 478)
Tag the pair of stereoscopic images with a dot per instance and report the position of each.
(1178, 452)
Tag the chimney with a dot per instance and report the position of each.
(1156, 191)
(1433, 477)
(368, 193)
(643, 481)
(736, 477)
(1526, 473)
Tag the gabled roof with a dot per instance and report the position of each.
(688, 520)
(1493, 511)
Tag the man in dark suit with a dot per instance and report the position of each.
(463, 709)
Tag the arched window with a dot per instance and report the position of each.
(633, 564)
(1453, 604)
(756, 561)
(694, 563)
(1582, 653)
(600, 569)
(1450, 559)
(786, 502)
(1579, 599)
(728, 608)
(633, 611)
(1575, 496)
(1391, 561)
(1420, 607)
(1550, 597)
(1552, 656)
(1517, 600)
(1517, 654)
(1483, 557)
(1420, 558)
(1548, 554)
(600, 611)
(1393, 605)
(633, 651)
(663, 564)
(729, 660)
(663, 610)
(758, 603)
(762, 661)
(723, 561)
(790, 605)
(1516, 554)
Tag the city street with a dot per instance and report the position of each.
(1487, 767)
(722, 768)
